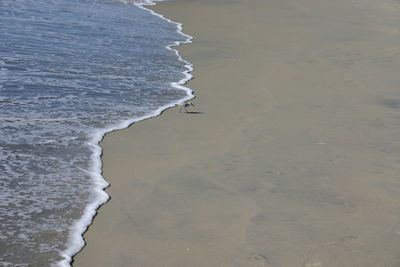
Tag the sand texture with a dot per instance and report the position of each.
(292, 157)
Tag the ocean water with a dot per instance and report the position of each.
(71, 71)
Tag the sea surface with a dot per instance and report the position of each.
(71, 71)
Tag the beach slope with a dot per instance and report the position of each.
(291, 156)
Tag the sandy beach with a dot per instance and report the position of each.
(291, 156)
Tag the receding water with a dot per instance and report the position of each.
(70, 70)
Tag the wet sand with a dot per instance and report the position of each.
(293, 158)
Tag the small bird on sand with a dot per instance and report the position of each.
(184, 106)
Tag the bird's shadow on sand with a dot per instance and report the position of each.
(194, 112)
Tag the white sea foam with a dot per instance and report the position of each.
(76, 241)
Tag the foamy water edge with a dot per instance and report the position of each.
(76, 241)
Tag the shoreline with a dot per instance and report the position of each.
(75, 242)
(293, 149)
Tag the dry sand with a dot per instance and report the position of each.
(294, 159)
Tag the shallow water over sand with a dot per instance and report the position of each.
(70, 71)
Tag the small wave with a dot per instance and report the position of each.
(66, 87)
(76, 241)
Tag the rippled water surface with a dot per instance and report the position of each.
(69, 69)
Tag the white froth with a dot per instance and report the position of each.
(76, 241)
